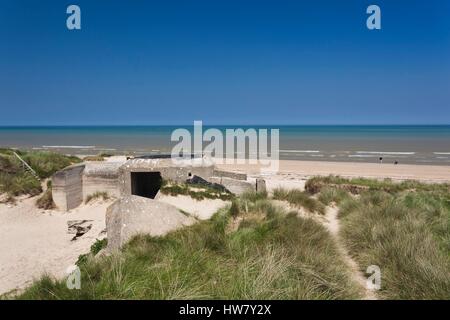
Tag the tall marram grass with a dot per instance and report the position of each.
(315, 184)
(271, 255)
(19, 183)
(329, 195)
(46, 163)
(14, 180)
(407, 236)
(299, 199)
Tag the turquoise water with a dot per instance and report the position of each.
(406, 144)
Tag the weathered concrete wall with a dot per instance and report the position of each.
(167, 169)
(229, 174)
(101, 177)
(235, 186)
(67, 187)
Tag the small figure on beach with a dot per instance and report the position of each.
(381, 159)
(395, 162)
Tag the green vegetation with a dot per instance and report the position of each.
(19, 183)
(329, 195)
(97, 195)
(315, 184)
(253, 196)
(299, 199)
(46, 200)
(198, 193)
(14, 180)
(404, 228)
(99, 157)
(271, 255)
(46, 163)
(94, 158)
(95, 248)
(234, 209)
(105, 154)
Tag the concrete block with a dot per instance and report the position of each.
(132, 215)
(261, 185)
(67, 187)
(235, 186)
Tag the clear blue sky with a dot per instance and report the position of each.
(224, 62)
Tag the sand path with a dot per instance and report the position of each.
(332, 224)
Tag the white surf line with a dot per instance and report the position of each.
(385, 152)
(333, 226)
(299, 151)
(70, 147)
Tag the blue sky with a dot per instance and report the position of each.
(224, 62)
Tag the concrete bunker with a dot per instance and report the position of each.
(146, 184)
(140, 177)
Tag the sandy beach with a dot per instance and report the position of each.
(292, 170)
(35, 241)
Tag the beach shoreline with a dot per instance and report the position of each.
(406, 144)
(299, 169)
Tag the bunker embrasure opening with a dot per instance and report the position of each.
(145, 184)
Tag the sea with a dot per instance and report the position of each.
(412, 144)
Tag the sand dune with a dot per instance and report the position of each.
(33, 241)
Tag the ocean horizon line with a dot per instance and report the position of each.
(222, 125)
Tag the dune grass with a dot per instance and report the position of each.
(299, 199)
(314, 185)
(95, 248)
(94, 158)
(271, 255)
(46, 200)
(407, 236)
(19, 183)
(46, 163)
(402, 227)
(330, 195)
(197, 193)
(14, 180)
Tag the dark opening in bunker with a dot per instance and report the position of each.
(145, 184)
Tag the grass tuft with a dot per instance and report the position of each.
(94, 158)
(299, 199)
(46, 200)
(97, 195)
(329, 195)
(197, 193)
